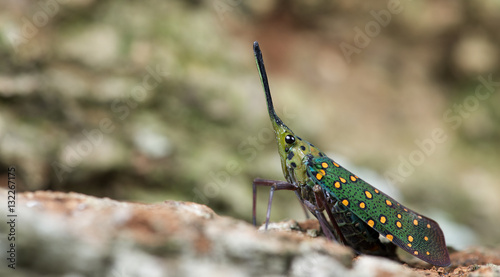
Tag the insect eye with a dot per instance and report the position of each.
(289, 139)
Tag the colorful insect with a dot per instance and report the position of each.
(357, 211)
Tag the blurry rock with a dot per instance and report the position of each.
(95, 46)
(93, 150)
(152, 143)
(23, 84)
(261, 8)
(475, 54)
(69, 82)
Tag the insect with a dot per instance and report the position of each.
(357, 212)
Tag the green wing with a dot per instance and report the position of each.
(415, 233)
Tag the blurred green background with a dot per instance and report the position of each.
(160, 100)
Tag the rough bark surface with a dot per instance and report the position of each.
(70, 234)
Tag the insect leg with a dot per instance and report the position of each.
(321, 201)
(321, 219)
(275, 185)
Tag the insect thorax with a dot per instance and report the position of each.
(295, 161)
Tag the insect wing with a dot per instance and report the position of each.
(415, 233)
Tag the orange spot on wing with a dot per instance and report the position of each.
(319, 176)
(342, 179)
(389, 237)
(324, 165)
(337, 184)
(371, 223)
(368, 194)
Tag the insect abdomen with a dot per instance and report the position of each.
(358, 234)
